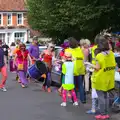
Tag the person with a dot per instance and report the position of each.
(68, 79)
(48, 55)
(64, 46)
(103, 76)
(34, 50)
(3, 68)
(79, 68)
(85, 45)
(94, 95)
(5, 48)
(18, 42)
(12, 49)
(22, 56)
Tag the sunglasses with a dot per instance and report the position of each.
(52, 47)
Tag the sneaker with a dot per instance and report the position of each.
(49, 90)
(91, 112)
(23, 86)
(75, 104)
(64, 104)
(103, 117)
(98, 116)
(43, 88)
(4, 89)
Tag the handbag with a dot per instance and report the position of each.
(117, 76)
(20, 66)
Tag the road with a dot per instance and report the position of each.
(33, 104)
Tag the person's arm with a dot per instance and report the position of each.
(42, 54)
(30, 59)
(30, 50)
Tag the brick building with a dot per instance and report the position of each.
(13, 21)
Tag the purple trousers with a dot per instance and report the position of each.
(22, 77)
(22, 74)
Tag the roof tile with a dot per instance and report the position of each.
(12, 5)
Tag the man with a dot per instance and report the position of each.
(3, 68)
(34, 50)
(6, 48)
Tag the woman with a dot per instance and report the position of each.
(21, 61)
(3, 68)
(103, 76)
(79, 68)
(85, 45)
(47, 56)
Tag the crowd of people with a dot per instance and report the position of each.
(84, 67)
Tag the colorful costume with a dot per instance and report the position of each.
(68, 80)
(22, 65)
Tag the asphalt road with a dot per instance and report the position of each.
(33, 104)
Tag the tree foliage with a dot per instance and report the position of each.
(78, 18)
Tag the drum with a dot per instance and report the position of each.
(36, 70)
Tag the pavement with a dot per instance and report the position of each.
(33, 104)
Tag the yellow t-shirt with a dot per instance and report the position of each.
(104, 78)
(78, 59)
(93, 54)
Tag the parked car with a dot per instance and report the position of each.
(55, 74)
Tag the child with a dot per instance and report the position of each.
(94, 94)
(68, 79)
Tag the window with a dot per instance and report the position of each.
(20, 36)
(2, 37)
(9, 19)
(20, 19)
(8, 37)
(1, 19)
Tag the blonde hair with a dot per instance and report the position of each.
(84, 42)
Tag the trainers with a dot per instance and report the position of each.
(64, 104)
(49, 90)
(103, 117)
(91, 112)
(43, 88)
(4, 89)
(98, 116)
(75, 103)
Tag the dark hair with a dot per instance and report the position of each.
(12, 44)
(103, 44)
(97, 51)
(73, 42)
(22, 45)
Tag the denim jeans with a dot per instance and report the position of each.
(78, 81)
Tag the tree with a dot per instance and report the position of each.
(78, 18)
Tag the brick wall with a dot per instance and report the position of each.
(14, 19)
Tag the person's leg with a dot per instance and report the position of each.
(103, 101)
(22, 78)
(64, 98)
(49, 81)
(81, 89)
(87, 82)
(94, 102)
(4, 76)
(74, 97)
(75, 83)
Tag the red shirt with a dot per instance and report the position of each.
(21, 56)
